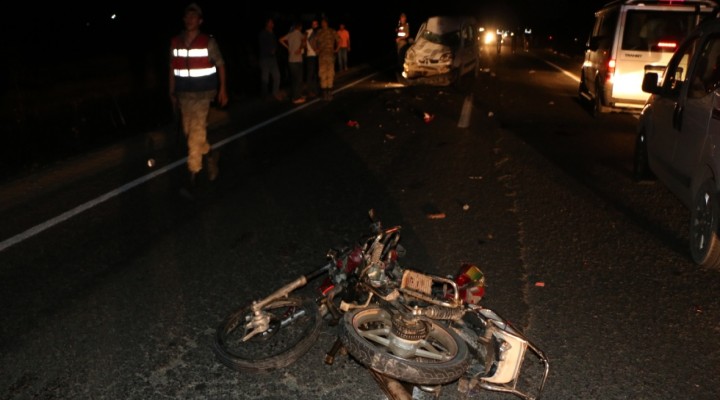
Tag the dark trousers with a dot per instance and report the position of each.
(311, 74)
(296, 79)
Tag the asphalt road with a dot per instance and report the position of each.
(120, 298)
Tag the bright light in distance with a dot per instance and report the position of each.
(113, 16)
(489, 37)
(528, 31)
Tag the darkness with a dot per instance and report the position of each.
(74, 78)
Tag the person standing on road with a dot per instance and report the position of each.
(294, 42)
(343, 47)
(311, 60)
(326, 45)
(197, 77)
(402, 40)
(269, 69)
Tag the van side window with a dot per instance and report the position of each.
(605, 30)
(676, 72)
(467, 36)
(706, 74)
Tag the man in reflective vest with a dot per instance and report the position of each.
(402, 39)
(197, 76)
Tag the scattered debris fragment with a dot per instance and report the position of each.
(540, 284)
(491, 114)
(466, 207)
(439, 215)
(353, 124)
(151, 162)
(427, 117)
(502, 161)
(477, 177)
(389, 136)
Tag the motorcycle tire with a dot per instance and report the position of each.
(278, 347)
(366, 335)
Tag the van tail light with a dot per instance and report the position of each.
(610, 70)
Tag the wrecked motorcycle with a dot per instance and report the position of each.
(404, 325)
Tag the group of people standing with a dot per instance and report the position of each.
(312, 51)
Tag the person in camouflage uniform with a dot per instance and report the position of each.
(325, 44)
(197, 76)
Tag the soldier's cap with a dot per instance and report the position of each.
(193, 7)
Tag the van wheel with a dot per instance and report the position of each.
(598, 107)
(582, 89)
(641, 168)
(704, 242)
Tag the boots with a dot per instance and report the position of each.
(213, 157)
(189, 185)
(327, 94)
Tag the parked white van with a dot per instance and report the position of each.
(629, 39)
(445, 49)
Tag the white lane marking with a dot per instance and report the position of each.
(559, 68)
(124, 188)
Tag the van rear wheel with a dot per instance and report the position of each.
(598, 107)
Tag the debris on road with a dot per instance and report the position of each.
(439, 215)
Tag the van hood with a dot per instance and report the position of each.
(425, 49)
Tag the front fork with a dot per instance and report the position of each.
(505, 349)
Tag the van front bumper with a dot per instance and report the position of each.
(429, 75)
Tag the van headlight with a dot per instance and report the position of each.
(410, 55)
(446, 58)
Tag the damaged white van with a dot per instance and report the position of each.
(630, 38)
(445, 49)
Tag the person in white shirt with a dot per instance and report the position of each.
(311, 62)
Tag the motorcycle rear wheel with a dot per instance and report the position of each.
(442, 357)
(277, 347)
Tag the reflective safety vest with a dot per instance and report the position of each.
(192, 67)
(402, 31)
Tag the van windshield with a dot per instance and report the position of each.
(450, 39)
(660, 31)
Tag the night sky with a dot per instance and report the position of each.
(84, 24)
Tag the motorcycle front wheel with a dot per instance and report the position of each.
(438, 358)
(293, 327)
